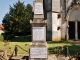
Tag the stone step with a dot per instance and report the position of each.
(16, 58)
(20, 58)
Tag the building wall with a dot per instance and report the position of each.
(64, 21)
(56, 20)
(56, 23)
(58, 7)
(75, 15)
(49, 25)
(48, 5)
(53, 22)
(53, 26)
(68, 3)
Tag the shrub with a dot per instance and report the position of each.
(1, 38)
(8, 36)
(11, 36)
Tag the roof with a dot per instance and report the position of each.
(1, 27)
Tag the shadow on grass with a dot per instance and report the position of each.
(72, 50)
(51, 50)
(21, 39)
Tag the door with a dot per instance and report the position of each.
(78, 30)
(71, 30)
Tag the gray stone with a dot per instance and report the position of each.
(38, 33)
(38, 47)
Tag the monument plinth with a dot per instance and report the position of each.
(38, 47)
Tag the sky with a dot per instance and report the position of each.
(4, 6)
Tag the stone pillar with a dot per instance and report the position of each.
(76, 31)
(76, 28)
(38, 47)
(64, 21)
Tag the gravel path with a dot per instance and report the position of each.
(53, 57)
(76, 42)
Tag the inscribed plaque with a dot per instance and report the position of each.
(38, 33)
(38, 52)
(38, 8)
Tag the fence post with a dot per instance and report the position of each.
(66, 51)
(78, 55)
(16, 49)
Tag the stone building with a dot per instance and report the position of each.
(63, 19)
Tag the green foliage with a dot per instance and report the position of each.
(1, 38)
(17, 20)
(8, 36)
(11, 36)
(21, 39)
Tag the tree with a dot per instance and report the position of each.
(17, 20)
(26, 23)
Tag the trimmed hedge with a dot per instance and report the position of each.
(8, 36)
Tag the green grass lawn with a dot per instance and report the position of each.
(21, 41)
(72, 48)
(10, 47)
(25, 42)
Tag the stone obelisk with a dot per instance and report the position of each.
(38, 47)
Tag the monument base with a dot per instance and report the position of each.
(38, 51)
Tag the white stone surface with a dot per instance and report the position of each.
(56, 34)
(38, 52)
(56, 5)
(38, 8)
(74, 14)
(68, 3)
(55, 21)
(38, 33)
